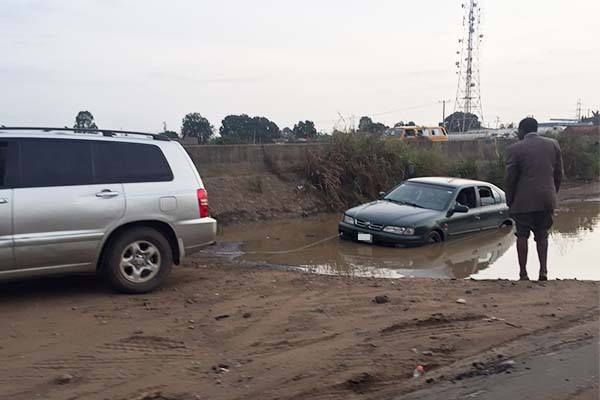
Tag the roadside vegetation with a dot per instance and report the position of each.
(581, 156)
(354, 169)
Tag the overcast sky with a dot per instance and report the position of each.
(136, 63)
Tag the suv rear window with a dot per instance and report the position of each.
(119, 162)
(55, 162)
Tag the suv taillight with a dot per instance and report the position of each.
(203, 202)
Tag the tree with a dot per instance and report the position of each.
(398, 124)
(85, 120)
(195, 125)
(366, 125)
(411, 123)
(305, 130)
(245, 129)
(596, 117)
(287, 133)
(171, 134)
(454, 122)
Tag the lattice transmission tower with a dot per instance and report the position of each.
(468, 93)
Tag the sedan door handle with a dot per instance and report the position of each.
(477, 217)
(106, 194)
(3, 201)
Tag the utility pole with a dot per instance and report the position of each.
(497, 121)
(443, 102)
(578, 109)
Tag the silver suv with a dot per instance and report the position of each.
(126, 204)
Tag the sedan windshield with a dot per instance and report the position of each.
(421, 196)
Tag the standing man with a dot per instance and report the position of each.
(533, 176)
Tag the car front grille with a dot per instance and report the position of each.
(368, 225)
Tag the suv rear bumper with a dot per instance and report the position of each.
(195, 234)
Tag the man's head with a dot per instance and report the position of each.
(526, 126)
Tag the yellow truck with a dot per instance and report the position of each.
(410, 133)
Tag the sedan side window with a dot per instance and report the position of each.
(467, 197)
(486, 197)
(497, 196)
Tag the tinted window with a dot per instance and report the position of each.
(118, 162)
(55, 162)
(3, 163)
(467, 197)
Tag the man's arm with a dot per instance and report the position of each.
(511, 175)
(558, 168)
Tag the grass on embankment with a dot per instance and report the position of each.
(355, 168)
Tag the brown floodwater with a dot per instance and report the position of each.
(574, 249)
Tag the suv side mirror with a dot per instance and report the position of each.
(382, 195)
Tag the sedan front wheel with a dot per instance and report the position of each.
(433, 238)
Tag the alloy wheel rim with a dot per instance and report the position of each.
(140, 261)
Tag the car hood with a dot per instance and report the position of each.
(384, 212)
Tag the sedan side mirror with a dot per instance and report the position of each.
(382, 195)
(459, 208)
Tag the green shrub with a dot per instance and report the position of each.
(581, 156)
(354, 169)
(464, 168)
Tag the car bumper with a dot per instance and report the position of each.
(195, 234)
(351, 231)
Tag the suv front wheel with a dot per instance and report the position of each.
(137, 260)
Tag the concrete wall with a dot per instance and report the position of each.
(237, 160)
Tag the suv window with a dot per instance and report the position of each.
(3, 163)
(119, 162)
(55, 162)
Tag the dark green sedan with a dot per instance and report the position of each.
(426, 211)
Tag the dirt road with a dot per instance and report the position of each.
(224, 332)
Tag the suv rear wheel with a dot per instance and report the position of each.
(138, 260)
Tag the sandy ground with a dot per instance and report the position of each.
(222, 332)
(218, 330)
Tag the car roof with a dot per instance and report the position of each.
(85, 134)
(448, 181)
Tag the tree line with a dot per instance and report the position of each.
(244, 129)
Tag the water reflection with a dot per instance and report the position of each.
(486, 255)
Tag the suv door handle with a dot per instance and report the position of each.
(477, 217)
(106, 194)
(3, 201)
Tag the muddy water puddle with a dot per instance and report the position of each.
(574, 250)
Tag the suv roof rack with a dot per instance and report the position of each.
(104, 132)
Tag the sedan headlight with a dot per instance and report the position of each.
(348, 219)
(399, 230)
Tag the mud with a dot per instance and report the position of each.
(487, 255)
(294, 335)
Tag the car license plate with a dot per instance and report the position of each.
(365, 237)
